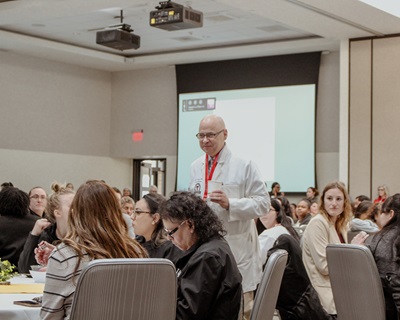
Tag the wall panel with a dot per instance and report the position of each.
(386, 114)
(360, 118)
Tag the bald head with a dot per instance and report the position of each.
(214, 120)
(213, 124)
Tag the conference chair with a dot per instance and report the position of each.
(356, 285)
(123, 289)
(268, 290)
(300, 229)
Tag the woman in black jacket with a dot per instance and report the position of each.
(385, 247)
(209, 282)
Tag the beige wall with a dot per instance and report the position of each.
(327, 130)
(53, 107)
(55, 124)
(360, 118)
(146, 100)
(374, 114)
(26, 169)
(67, 123)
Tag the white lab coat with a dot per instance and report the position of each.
(248, 199)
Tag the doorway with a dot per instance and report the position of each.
(147, 173)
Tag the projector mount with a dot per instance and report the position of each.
(168, 5)
(123, 26)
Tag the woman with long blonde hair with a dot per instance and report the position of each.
(97, 230)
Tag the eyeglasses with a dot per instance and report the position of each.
(37, 197)
(208, 135)
(138, 212)
(170, 233)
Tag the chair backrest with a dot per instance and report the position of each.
(268, 290)
(123, 289)
(300, 229)
(356, 285)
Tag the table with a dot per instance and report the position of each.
(10, 311)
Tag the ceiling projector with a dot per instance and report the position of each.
(119, 37)
(173, 16)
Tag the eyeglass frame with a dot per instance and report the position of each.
(170, 233)
(138, 212)
(208, 135)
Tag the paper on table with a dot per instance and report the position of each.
(22, 288)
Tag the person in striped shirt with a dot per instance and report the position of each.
(96, 230)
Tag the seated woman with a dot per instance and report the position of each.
(15, 223)
(285, 207)
(312, 194)
(276, 190)
(329, 226)
(314, 208)
(276, 224)
(128, 206)
(50, 231)
(209, 282)
(149, 228)
(303, 212)
(363, 218)
(297, 299)
(96, 229)
(38, 201)
(358, 200)
(383, 193)
(385, 247)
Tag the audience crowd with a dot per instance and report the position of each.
(219, 240)
(63, 231)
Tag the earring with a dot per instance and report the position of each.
(152, 222)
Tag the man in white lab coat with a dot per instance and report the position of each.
(242, 198)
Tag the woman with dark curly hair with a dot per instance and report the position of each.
(209, 282)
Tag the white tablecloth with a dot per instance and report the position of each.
(10, 311)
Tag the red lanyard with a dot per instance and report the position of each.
(208, 177)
